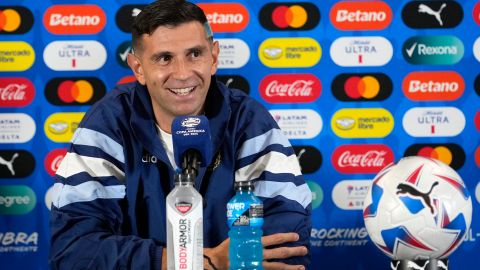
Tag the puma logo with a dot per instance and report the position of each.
(403, 188)
(9, 163)
(442, 265)
(394, 267)
(412, 265)
(422, 8)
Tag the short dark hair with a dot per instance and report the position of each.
(165, 13)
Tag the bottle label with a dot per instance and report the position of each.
(183, 207)
(245, 214)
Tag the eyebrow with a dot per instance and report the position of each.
(158, 55)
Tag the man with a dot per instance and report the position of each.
(108, 210)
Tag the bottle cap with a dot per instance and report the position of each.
(244, 185)
(184, 178)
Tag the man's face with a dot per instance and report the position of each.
(176, 64)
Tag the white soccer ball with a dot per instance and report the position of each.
(417, 208)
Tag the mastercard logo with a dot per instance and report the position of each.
(362, 87)
(74, 91)
(289, 16)
(449, 153)
(15, 20)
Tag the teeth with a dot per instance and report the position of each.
(182, 91)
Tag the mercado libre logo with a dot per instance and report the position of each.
(361, 158)
(309, 157)
(15, 20)
(317, 194)
(16, 164)
(126, 15)
(362, 123)
(74, 19)
(433, 86)
(362, 87)
(298, 123)
(432, 14)
(289, 52)
(16, 200)
(16, 92)
(16, 56)
(289, 16)
(75, 55)
(363, 15)
(433, 122)
(449, 153)
(361, 51)
(74, 91)
(226, 17)
(60, 127)
(433, 50)
(290, 88)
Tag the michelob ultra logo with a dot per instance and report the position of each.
(60, 127)
(74, 19)
(289, 16)
(16, 92)
(16, 56)
(16, 200)
(74, 91)
(434, 122)
(433, 86)
(75, 55)
(289, 52)
(226, 17)
(15, 20)
(432, 14)
(362, 15)
(362, 123)
(362, 87)
(433, 50)
(450, 153)
(361, 51)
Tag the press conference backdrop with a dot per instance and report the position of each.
(354, 85)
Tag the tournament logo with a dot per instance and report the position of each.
(16, 200)
(16, 164)
(362, 87)
(122, 53)
(350, 194)
(364, 15)
(362, 158)
(16, 128)
(432, 14)
(53, 159)
(234, 53)
(74, 19)
(290, 88)
(433, 50)
(317, 193)
(449, 153)
(75, 55)
(16, 92)
(362, 123)
(433, 122)
(298, 123)
(60, 127)
(289, 52)
(289, 16)
(226, 17)
(433, 86)
(74, 91)
(126, 15)
(15, 20)
(361, 51)
(309, 157)
(18, 242)
(235, 82)
(16, 56)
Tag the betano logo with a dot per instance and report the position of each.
(289, 52)
(298, 123)
(434, 122)
(289, 16)
(16, 56)
(290, 88)
(449, 153)
(432, 14)
(433, 50)
(16, 200)
(74, 19)
(364, 15)
(433, 86)
(16, 92)
(15, 20)
(74, 91)
(16, 128)
(361, 51)
(60, 127)
(362, 123)
(75, 55)
(362, 87)
(226, 17)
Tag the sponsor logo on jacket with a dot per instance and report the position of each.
(226, 17)
(363, 15)
(433, 86)
(15, 20)
(362, 87)
(290, 88)
(289, 16)
(361, 51)
(361, 158)
(74, 19)
(433, 50)
(16, 92)
(433, 122)
(16, 56)
(432, 14)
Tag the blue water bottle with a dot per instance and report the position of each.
(245, 219)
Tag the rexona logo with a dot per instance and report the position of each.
(290, 88)
(15, 20)
(289, 16)
(476, 49)
(16, 200)
(126, 15)
(289, 52)
(364, 15)
(433, 50)
(16, 56)
(298, 124)
(350, 194)
(74, 19)
(362, 123)
(234, 53)
(432, 14)
(235, 82)
(361, 51)
(450, 153)
(362, 158)
(16, 163)
(74, 91)
(434, 122)
(59, 127)
(16, 128)
(362, 87)
(16, 92)
(317, 194)
(309, 157)
(53, 160)
(433, 86)
(122, 53)
(226, 17)
(75, 55)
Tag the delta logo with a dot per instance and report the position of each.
(74, 91)
(298, 123)
(16, 163)
(16, 128)
(84, 19)
(234, 53)
(290, 88)
(361, 51)
(15, 20)
(60, 127)
(433, 50)
(354, 16)
(433, 122)
(309, 158)
(53, 159)
(476, 13)
(362, 87)
(289, 52)
(289, 16)
(433, 86)
(432, 14)
(16, 92)
(350, 194)
(362, 123)
(75, 55)
(16, 56)
(226, 17)
(449, 153)
(126, 15)
(361, 158)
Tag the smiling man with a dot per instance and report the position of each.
(108, 209)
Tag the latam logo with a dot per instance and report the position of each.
(74, 19)
(362, 158)
(16, 128)
(74, 91)
(364, 15)
(317, 193)
(434, 122)
(16, 200)
(226, 17)
(309, 158)
(235, 82)
(290, 88)
(362, 87)
(432, 14)
(60, 127)
(16, 56)
(53, 159)
(433, 50)
(361, 51)
(289, 52)
(476, 49)
(362, 123)
(289, 16)
(75, 55)
(433, 86)
(15, 20)
(477, 120)
(126, 15)
(16, 163)
(16, 92)
(234, 53)
(350, 194)
(298, 124)
(449, 153)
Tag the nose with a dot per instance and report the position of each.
(181, 69)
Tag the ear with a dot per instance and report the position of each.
(136, 67)
(215, 53)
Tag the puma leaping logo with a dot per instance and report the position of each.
(9, 163)
(422, 8)
(440, 264)
(403, 188)
(394, 267)
(412, 265)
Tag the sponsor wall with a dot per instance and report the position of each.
(354, 85)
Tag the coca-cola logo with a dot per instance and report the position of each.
(290, 88)
(53, 160)
(16, 92)
(362, 158)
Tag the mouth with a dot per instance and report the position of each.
(181, 91)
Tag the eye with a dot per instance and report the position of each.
(196, 53)
(165, 58)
